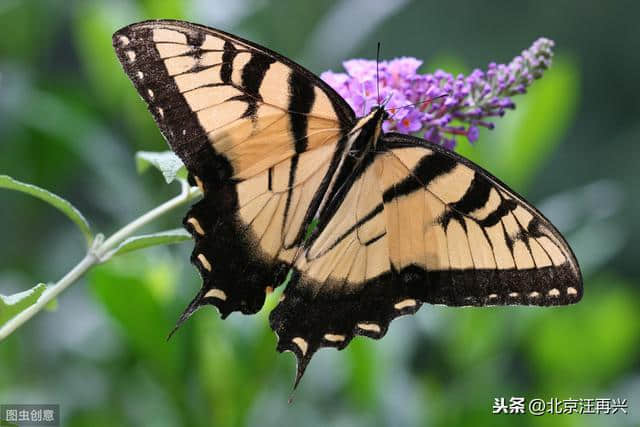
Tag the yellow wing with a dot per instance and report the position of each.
(419, 224)
(209, 90)
(255, 130)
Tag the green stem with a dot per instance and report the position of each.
(99, 252)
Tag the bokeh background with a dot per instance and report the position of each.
(71, 122)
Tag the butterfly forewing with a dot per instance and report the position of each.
(208, 88)
(255, 130)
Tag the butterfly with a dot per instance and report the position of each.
(369, 225)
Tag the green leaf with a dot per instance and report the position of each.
(12, 305)
(165, 161)
(145, 240)
(56, 201)
(52, 305)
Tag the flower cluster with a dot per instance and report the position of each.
(439, 106)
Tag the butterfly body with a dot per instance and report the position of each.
(398, 221)
(358, 152)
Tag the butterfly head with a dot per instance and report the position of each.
(364, 135)
(380, 114)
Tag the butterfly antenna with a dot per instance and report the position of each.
(378, 73)
(418, 103)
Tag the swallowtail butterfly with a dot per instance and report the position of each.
(400, 221)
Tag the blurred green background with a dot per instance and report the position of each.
(71, 122)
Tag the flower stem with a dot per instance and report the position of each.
(119, 236)
(49, 294)
(100, 252)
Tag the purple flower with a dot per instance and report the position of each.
(439, 106)
(360, 68)
(411, 122)
(473, 133)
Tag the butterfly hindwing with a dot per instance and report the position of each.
(256, 131)
(420, 224)
(248, 233)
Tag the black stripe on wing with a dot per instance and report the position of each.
(315, 314)
(236, 273)
(176, 120)
(548, 285)
(306, 321)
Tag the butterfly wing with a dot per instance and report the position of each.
(419, 224)
(256, 131)
(208, 89)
